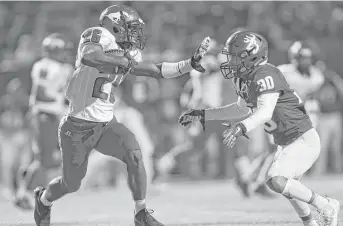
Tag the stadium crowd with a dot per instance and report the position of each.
(173, 30)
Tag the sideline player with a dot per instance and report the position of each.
(304, 77)
(48, 104)
(106, 55)
(263, 89)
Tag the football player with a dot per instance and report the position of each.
(304, 77)
(266, 98)
(106, 55)
(47, 106)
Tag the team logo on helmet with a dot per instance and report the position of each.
(115, 17)
(252, 43)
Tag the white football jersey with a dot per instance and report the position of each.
(303, 85)
(92, 94)
(52, 76)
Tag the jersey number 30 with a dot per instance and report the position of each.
(266, 83)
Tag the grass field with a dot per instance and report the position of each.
(182, 203)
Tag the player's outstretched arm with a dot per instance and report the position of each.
(236, 111)
(172, 70)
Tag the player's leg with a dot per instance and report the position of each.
(303, 210)
(302, 153)
(117, 141)
(76, 141)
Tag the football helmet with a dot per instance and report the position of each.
(125, 24)
(55, 45)
(300, 54)
(244, 50)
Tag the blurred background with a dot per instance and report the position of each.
(174, 30)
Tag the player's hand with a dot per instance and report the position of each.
(132, 62)
(199, 54)
(193, 115)
(232, 132)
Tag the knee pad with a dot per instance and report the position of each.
(277, 183)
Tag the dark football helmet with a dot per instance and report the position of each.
(125, 24)
(55, 46)
(244, 50)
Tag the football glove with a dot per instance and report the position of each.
(132, 62)
(199, 54)
(232, 132)
(193, 115)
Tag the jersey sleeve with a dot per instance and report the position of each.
(97, 36)
(268, 80)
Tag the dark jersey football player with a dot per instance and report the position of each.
(264, 97)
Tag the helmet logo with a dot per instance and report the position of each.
(252, 43)
(115, 17)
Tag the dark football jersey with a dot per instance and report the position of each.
(289, 120)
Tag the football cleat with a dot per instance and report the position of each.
(310, 223)
(329, 215)
(144, 218)
(42, 212)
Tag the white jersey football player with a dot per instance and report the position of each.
(106, 55)
(304, 77)
(47, 105)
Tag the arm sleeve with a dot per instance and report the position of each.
(265, 107)
(227, 112)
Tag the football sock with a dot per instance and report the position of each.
(303, 209)
(139, 205)
(44, 200)
(319, 201)
(297, 190)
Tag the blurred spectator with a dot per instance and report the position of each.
(330, 97)
(14, 134)
(303, 77)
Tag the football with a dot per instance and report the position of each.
(111, 70)
(134, 54)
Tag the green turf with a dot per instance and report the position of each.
(182, 203)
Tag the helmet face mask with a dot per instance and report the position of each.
(135, 34)
(126, 25)
(244, 51)
(233, 67)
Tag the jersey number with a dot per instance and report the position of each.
(98, 93)
(93, 35)
(270, 126)
(265, 83)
